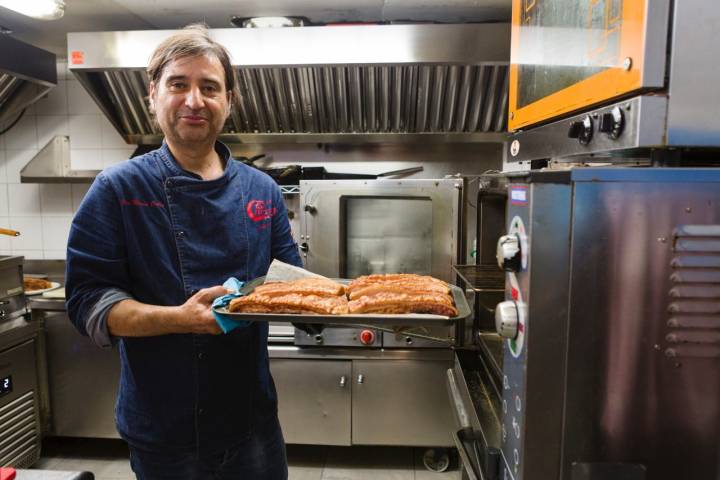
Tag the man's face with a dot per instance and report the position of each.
(190, 100)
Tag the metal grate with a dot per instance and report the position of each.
(345, 99)
(8, 85)
(20, 439)
(694, 297)
(482, 278)
(372, 99)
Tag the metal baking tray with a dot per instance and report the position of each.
(365, 319)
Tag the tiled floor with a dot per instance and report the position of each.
(108, 460)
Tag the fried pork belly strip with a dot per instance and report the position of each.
(397, 286)
(391, 302)
(305, 286)
(290, 303)
(429, 283)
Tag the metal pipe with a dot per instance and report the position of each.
(139, 87)
(502, 110)
(423, 98)
(115, 97)
(242, 104)
(450, 98)
(356, 99)
(491, 98)
(384, 98)
(438, 93)
(463, 103)
(342, 99)
(396, 109)
(330, 96)
(7, 84)
(319, 99)
(129, 101)
(281, 97)
(370, 110)
(294, 99)
(306, 100)
(268, 99)
(478, 97)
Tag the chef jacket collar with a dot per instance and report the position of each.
(175, 170)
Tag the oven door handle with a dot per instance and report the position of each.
(458, 404)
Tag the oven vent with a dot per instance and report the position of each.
(20, 435)
(694, 306)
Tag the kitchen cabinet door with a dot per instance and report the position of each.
(314, 398)
(401, 402)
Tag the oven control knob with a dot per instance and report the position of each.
(367, 337)
(582, 130)
(508, 254)
(507, 319)
(612, 123)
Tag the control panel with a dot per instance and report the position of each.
(608, 131)
(511, 320)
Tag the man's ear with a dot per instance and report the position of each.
(151, 96)
(230, 103)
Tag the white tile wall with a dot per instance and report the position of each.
(43, 212)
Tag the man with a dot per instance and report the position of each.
(149, 246)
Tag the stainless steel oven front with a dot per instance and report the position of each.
(359, 227)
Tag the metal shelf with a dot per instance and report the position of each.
(482, 278)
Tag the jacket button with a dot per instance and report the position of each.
(201, 411)
(180, 234)
(168, 183)
(200, 356)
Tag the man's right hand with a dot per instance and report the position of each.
(130, 318)
(196, 312)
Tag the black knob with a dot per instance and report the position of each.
(582, 130)
(304, 247)
(612, 123)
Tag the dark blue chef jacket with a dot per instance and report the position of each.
(149, 230)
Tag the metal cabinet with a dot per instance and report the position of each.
(400, 402)
(314, 398)
(78, 370)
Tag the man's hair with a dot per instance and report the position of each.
(192, 41)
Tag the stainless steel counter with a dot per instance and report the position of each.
(327, 395)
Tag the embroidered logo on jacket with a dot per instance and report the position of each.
(141, 203)
(260, 210)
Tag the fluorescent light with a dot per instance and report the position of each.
(40, 9)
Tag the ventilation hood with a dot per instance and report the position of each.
(335, 84)
(26, 74)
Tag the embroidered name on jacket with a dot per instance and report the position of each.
(260, 210)
(141, 203)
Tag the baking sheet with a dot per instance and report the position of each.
(369, 319)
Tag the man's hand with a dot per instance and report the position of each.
(196, 313)
(130, 318)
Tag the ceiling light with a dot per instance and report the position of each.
(40, 9)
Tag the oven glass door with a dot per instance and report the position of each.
(386, 235)
(352, 228)
(567, 55)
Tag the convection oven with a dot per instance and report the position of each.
(608, 363)
(629, 79)
(358, 227)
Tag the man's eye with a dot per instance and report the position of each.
(177, 85)
(210, 88)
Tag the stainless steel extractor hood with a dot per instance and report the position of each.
(383, 83)
(26, 74)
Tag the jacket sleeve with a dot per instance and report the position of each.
(283, 246)
(96, 268)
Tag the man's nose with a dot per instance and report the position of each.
(194, 98)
